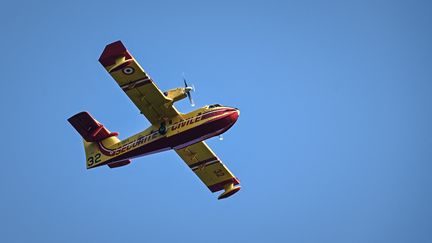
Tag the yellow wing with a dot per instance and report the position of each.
(208, 167)
(136, 83)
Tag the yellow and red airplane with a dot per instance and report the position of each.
(170, 129)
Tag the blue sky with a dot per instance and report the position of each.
(333, 143)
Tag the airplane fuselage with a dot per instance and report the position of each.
(180, 132)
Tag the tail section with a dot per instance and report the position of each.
(94, 133)
(90, 129)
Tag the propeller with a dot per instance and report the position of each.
(188, 89)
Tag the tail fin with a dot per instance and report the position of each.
(94, 132)
(90, 129)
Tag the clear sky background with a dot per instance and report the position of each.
(334, 141)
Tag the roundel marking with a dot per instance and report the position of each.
(128, 70)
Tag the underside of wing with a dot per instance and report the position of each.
(137, 84)
(209, 168)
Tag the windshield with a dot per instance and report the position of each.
(214, 105)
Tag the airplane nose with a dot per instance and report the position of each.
(232, 113)
(235, 113)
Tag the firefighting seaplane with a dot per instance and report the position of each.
(170, 129)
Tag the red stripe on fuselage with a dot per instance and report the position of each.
(204, 131)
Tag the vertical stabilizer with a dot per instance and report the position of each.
(94, 133)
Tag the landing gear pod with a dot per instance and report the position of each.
(230, 189)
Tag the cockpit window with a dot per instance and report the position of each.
(215, 105)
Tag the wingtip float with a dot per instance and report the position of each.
(170, 129)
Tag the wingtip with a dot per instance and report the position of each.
(113, 51)
(229, 193)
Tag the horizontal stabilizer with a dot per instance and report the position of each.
(90, 129)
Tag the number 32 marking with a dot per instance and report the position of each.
(96, 159)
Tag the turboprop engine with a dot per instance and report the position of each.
(181, 93)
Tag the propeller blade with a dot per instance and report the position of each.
(188, 89)
(184, 80)
(190, 98)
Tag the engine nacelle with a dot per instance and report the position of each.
(176, 94)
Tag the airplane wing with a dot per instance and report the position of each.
(137, 84)
(209, 168)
